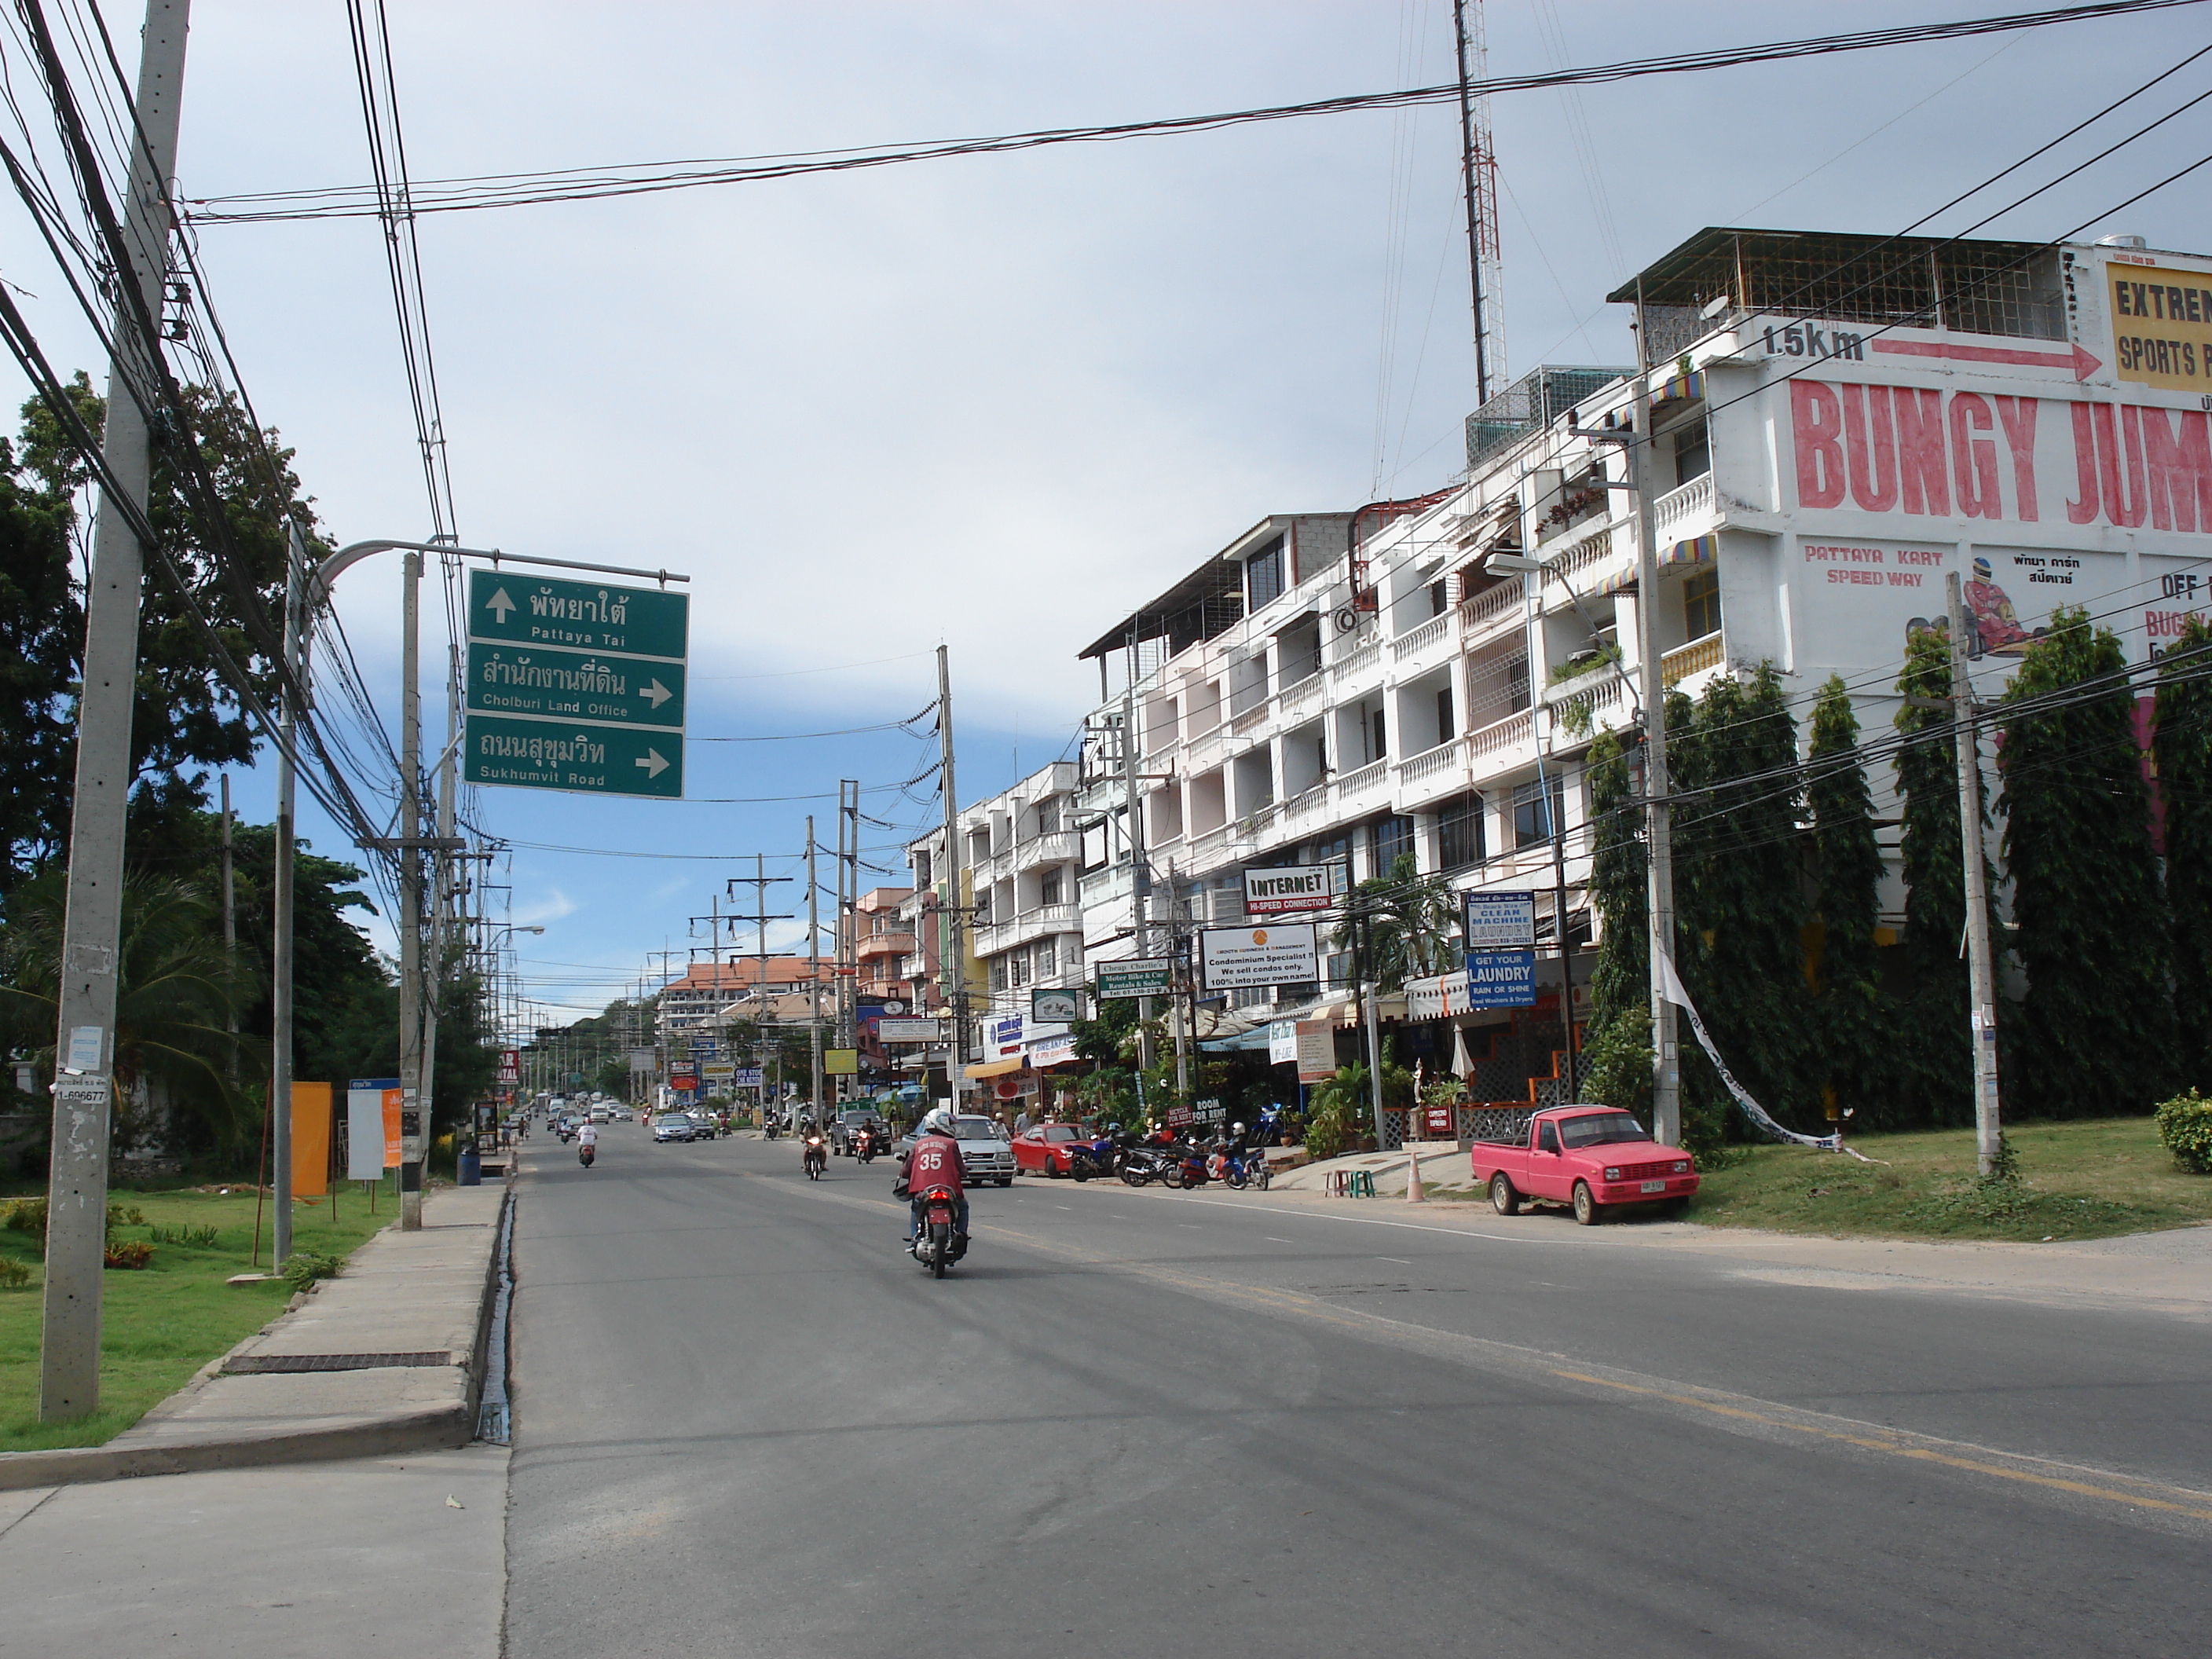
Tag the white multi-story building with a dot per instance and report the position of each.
(1840, 422)
(1018, 863)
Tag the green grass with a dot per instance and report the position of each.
(160, 1324)
(2093, 1179)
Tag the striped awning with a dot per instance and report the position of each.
(1681, 388)
(1699, 549)
(1619, 580)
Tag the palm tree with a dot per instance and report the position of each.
(1409, 927)
(179, 991)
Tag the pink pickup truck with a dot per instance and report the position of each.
(1590, 1158)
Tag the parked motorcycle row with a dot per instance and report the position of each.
(1178, 1163)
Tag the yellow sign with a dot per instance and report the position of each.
(841, 1062)
(2161, 326)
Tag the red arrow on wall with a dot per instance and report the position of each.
(2079, 361)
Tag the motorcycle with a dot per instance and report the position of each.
(815, 1158)
(586, 1154)
(864, 1145)
(936, 1245)
(1086, 1158)
(1235, 1169)
(1144, 1164)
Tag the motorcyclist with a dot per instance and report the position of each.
(587, 1138)
(932, 1160)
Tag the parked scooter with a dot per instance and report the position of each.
(936, 1244)
(1086, 1158)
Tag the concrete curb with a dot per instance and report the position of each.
(370, 1435)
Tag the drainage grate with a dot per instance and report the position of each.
(261, 1364)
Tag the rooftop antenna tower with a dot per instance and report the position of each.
(1479, 168)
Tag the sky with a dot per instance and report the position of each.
(995, 402)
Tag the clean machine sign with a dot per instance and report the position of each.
(576, 686)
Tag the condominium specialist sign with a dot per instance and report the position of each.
(1241, 958)
(574, 686)
(1290, 889)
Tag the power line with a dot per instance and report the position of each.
(635, 178)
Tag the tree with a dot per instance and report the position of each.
(1740, 901)
(177, 1062)
(1934, 1054)
(2096, 1033)
(1617, 1055)
(186, 715)
(1850, 1023)
(1409, 926)
(2184, 749)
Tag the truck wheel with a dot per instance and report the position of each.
(1503, 1198)
(1588, 1210)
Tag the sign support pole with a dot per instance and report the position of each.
(413, 1143)
(1981, 970)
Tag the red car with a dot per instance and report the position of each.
(1044, 1150)
(1590, 1158)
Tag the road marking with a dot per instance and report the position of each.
(1400, 1260)
(1272, 1239)
(1897, 1443)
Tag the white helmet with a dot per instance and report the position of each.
(938, 1122)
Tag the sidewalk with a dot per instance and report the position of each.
(2168, 1272)
(386, 1358)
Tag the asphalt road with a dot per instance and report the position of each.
(1143, 1423)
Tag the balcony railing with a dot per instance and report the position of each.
(1694, 658)
(1295, 699)
(1359, 660)
(1486, 609)
(1591, 549)
(1446, 756)
(1055, 847)
(1500, 734)
(1248, 720)
(1677, 506)
(1420, 638)
(1367, 777)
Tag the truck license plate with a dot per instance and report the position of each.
(1654, 1186)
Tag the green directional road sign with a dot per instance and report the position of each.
(548, 683)
(507, 609)
(574, 754)
(575, 685)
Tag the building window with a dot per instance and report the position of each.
(1388, 837)
(1378, 736)
(1048, 958)
(1443, 715)
(1701, 603)
(1693, 453)
(1263, 576)
(1047, 813)
(1048, 888)
(1516, 682)
(1534, 814)
(1439, 597)
(1337, 969)
(1018, 970)
(921, 868)
(1459, 833)
(998, 973)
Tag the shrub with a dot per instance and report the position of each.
(303, 1268)
(25, 1215)
(196, 1235)
(13, 1275)
(2184, 1124)
(130, 1254)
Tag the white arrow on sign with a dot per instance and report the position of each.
(652, 764)
(656, 693)
(499, 605)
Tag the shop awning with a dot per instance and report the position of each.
(992, 1068)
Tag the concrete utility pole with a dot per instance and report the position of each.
(813, 977)
(1658, 827)
(1981, 968)
(1140, 885)
(414, 1141)
(281, 899)
(84, 1051)
(952, 958)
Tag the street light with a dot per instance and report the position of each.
(1532, 573)
(500, 933)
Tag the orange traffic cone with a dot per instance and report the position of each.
(1413, 1192)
